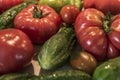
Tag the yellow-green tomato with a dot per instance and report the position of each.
(58, 4)
(83, 61)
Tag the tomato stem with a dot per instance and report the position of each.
(39, 13)
(107, 23)
(36, 12)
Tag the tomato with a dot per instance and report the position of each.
(98, 34)
(69, 13)
(106, 6)
(16, 50)
(38, 22)
(83, 61)
(6, 4)
(88, 3)
(58, 4)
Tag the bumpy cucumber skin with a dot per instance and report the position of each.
(66, 75)
(16, 76)
(58, 75)
(7, 17)
(109, 70)
(55, 52)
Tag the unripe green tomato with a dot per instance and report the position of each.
(58, 4)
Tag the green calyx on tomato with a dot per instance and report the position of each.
(107, 23)
(39, 13)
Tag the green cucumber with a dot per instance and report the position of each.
(66, 75)
(7, 17)
(17, 76)
(108, 70)
(57, 75)
(55, 51)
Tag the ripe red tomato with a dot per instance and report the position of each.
(96, 36)
(69, 13)
(88, 3)
(38, 22)
(6, 4)
(112, 6)
(16, 50)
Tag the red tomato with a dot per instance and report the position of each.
(38, 27)
(16, 50)
(94, 37)
(89, 3)
(69, 13)
(6, 4)
(112, 6)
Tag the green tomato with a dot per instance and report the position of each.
(58, 4)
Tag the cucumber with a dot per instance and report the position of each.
(66, 75)
(55, 51)
(7, 17)
(109, 70)
(58, 75)
(18, 76)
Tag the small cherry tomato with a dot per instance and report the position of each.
(69, 13)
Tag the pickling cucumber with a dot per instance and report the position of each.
(17, 76)
(66, 75)
(55, 51)
(57, 75)
(109, 70)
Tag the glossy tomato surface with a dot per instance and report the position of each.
(16, 50)
(106, 6)
(7, 4)
(84, 61)
(40, 28)
(93, 35)
(69, 13)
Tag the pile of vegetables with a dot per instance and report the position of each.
(83, 35)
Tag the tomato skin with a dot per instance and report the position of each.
(92, 36)
(69, 13)
(114, 35)
(105, 6)
(112, 51)
(38, 29)
(84, 61)
(94, 40)
(6, 4)
(88, 31)
(16, 51)
(89, 3)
